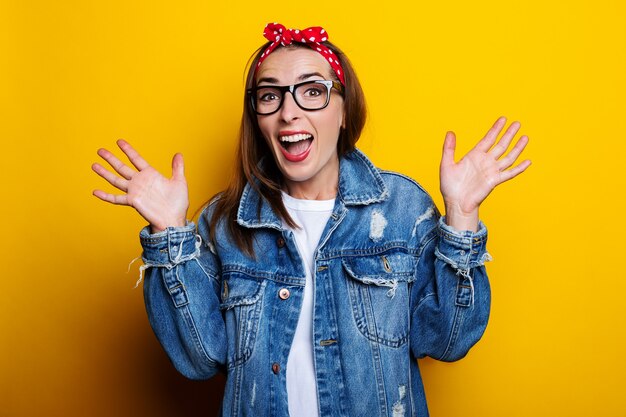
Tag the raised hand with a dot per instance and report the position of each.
(465, 184)
(161, 201)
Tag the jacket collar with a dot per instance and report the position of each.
(360, 183)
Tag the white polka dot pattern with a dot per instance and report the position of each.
(313, 36)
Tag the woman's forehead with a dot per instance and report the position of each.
(287, 65)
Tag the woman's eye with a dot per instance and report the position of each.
(268, 97)
(267, 94)
(313, 92)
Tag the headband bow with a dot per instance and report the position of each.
(312, 37)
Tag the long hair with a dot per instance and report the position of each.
(255, 164)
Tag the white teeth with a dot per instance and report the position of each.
(295, 138)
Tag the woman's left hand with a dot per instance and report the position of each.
(465, 184)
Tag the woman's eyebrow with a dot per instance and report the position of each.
(272, 80)
(309, 75)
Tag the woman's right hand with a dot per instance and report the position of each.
(161, 201)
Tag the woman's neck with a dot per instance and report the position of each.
(321, 187)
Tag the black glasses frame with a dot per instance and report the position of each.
(330, 84)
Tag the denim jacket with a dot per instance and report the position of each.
(392, 283)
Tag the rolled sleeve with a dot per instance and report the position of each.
(462, 250)
(171, 246)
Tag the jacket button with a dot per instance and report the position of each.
(275, 368)
(283, 293)
(280, 242)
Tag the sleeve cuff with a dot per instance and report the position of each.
(462, 250)
(171, 246)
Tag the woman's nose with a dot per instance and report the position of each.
(289, 109)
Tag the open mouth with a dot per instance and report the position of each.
(296, 147)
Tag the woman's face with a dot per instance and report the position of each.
(304, 142)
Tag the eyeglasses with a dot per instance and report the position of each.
(309, 95)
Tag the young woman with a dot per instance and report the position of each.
(315, 279)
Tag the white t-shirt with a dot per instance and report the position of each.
(311, 216)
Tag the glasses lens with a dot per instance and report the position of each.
(311, 96)
(267, 99)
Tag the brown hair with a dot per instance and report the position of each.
(255, 166)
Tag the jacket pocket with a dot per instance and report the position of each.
(379, 295)
(242, 301)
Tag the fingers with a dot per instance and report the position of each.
(126, 173)
(178, 167)
(449, 146)
(492, 134)
(505, 141)
(118, 182)
(111, 198)
(515, 171)
(116, 164)
(510, 158)
(133, 155)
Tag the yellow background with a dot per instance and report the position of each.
(168, 76)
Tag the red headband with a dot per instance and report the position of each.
(312, 37)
